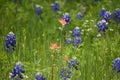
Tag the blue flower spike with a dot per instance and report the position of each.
(55, 6)
(65, 73)
(10, 41)
(102, 25)
(73, 63)
(116, 64)
(17, 73)
(39, 76)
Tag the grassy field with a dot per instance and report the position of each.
(34, 36)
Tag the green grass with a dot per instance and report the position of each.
(33, 39)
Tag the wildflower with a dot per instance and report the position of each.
(62, 21)
(66, 17)
(79, 16)
(73, 63)
(102, 12)
(102, 25)
(116, 64)
(77, 41)
(107, 16)
(54, 46)
(76, 32)
(17, 1)
(39, 76)
(117, 15)
(65, 73)
(38, 10)
(55, 6)
(17, 72)
(10, 41)
(68, 41)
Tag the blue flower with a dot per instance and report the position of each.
(17, 1)
(17, 72)
(39, 76)
(102, 25)
(68, 41)
(102, 12)
(76, 32)
(73, 63)
(117, 15)
(10, 41)
(116, 64)
(79, 16)
(66, 17)
(39, 10)
(55, 6)
(107, 16)
(65, 73)
(77, 41)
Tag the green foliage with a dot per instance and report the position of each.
(33, 37)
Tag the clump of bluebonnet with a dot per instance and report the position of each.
(75, 39)
(117, 15)
(17, 73)
(66, 17)
(39, 10)
(55, 6)
(39, 76)
(65, 73)
(17, 1)
(10, 41)
(107, 16)
(102, 25)
(116, 64)
(73, 63)
(79, 16)
(102, 12)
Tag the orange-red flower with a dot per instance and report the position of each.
(62, 21)
(54, 46)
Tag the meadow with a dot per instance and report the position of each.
(41, 39)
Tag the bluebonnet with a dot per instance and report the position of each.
(17, 72)
(17, 1)
(102, 12)
(65, 73)
(102, 25)
(116, 64)
(66, 17)
(10, 41)
(39, 10)
(73, 63)
(55, 6)
(76, 32)
(79, 16)
(76, 37)
(39, 76)
(77, 41)
(117, 15)
(107, 16)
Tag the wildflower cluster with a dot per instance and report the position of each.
(39, 76)
(10, 41)
(73, 63)
(65, 72)
(55, 48)
(103, 24)
(76, 37)
(39, 10)
(117, 15)
(17, 72)
(116, 64)
(55, 6)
